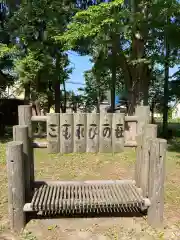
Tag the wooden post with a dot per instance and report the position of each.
(138, 164)
(79, 132)
(53, 132)
(143, 114)
(25, 115)
(92, 134)
(66, 132)
(16, 185)
(118, 132)
(20, 133)
(156, 181)
(105, 134)
(142, 159)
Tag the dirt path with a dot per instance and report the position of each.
(94, 229)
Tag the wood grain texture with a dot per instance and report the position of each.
(16, 185)
(25, 114)
(156, 182)
(20, 133)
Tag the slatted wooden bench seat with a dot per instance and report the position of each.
(87, 196)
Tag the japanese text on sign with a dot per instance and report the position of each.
(52, 130)
(106, 130)
(93, 131)
(66, 131)
(80, 131)
(119, 130)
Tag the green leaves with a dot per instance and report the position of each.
(94, 21)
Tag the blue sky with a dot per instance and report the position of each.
(81, 64)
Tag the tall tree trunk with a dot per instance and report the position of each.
(57, 92)
(166, 91)
(152, 112)
(49, 104)
(115, 43)
(140, 70)
(98, 101)
(27, 94)
(57, 89)
(64, 99)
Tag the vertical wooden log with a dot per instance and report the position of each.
(20, 133)
(25, 115)
(79, 132)
(118, 132)
(138, 165)
(143, 113)
(156, 182)
(16, 185)
(105, 135)
(150, 131)
(92, 132)
(130, 132)
(53, 132)
(66, 132)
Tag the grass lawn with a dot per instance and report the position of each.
(96, 166)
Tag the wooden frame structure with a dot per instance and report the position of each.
(86, 132)
(148, 186)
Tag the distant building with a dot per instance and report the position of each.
(176, 111)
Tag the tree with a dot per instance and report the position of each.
(127, 36)
(35, 23)
(94, 90)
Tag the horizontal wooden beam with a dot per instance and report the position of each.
(40, 144)
(130, 144)
(147, 203)
(39, 183)
(44, 118)
(41, 135)
(131, 119)
(39, 118)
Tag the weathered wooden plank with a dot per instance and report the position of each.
(40, 144)
(66, 132)
(131, 118)
(16, 185)
(130, 144)
(150, 131)
(128, 181)
(143, 114)
(39, 118)
(130, 131)
(25, 114)
(53, 132)
(92, 133)
(156, 182)
(118, 132)
(145, 165)
(105, 134)
(20, 133)
(79, 132)
(138, 162)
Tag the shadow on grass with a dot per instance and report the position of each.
(7, 136)
(173, 136)
(174, 145)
